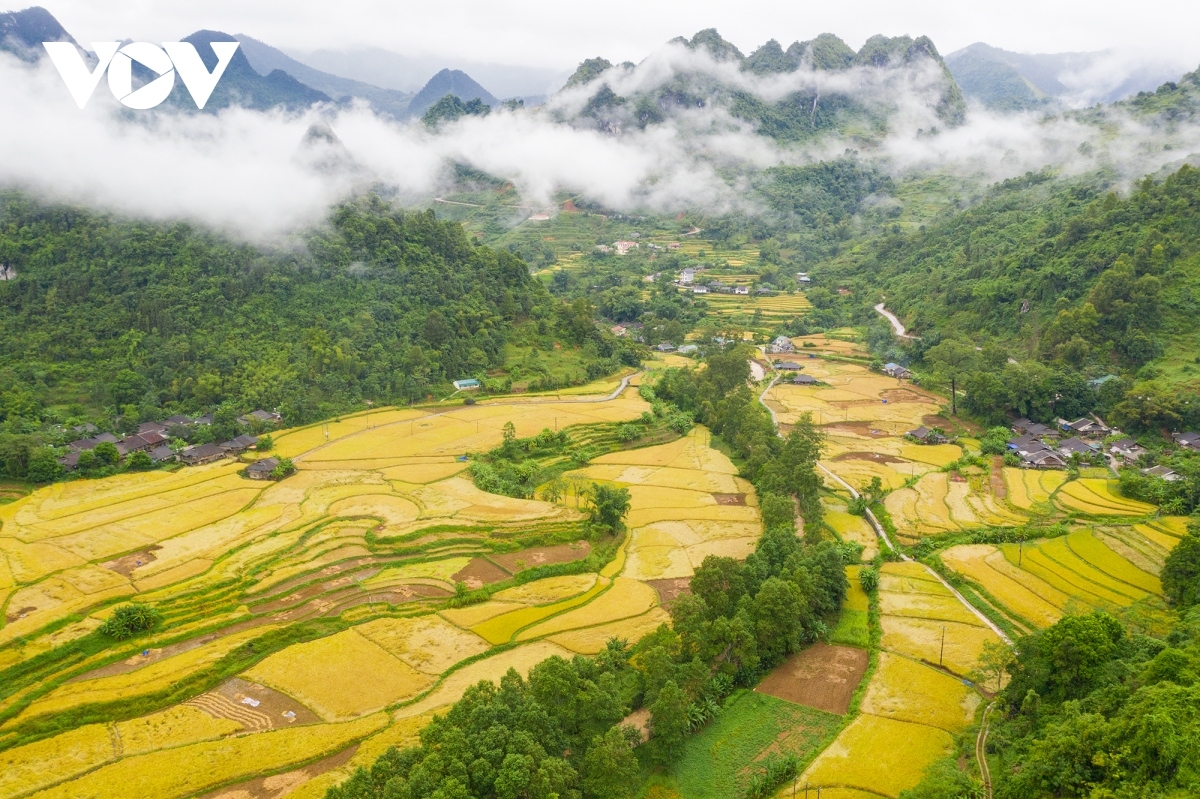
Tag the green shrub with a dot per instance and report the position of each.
(129, 620)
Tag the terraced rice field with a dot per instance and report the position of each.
(1038, 582)
(911, 708)
(370, 538)
(759, 313)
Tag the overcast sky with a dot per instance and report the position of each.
(560, 34)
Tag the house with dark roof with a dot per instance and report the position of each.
(261, 470)
(152, 427)
(70, 461)
(1086, 427)
(925, 435)
(162, 454)
(788, 366)
(1187, 440)
(897, 371)
(236, 446)
(1163, 473)
(206, 419)
(132, 444)
(1127, 450)
(1023, 445)
(86, 428)
(1075, 446)
(90, 443)
(665, 347)
(186, 421)
(1042, 459)
(204, 453)
(805, 380)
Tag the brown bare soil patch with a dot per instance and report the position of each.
(541, 556)
(13, 615)
(671, 588)
(279, 785)
(640, 721)
(999, 487)
(730, 499)
(478, 573)
(823, 676)
(874, 457)
(905, 395)
(125, 566)
(933, 420)
(857, 429)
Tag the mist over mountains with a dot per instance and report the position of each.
(693, 125)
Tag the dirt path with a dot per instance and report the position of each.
(981, 753)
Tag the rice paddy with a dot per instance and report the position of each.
(376, 530)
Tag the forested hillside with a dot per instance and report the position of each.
(1065, 276)
(101, 314)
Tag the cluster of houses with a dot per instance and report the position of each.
(153, 438)
(624, 247)
(1041, 446)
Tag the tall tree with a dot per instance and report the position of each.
(952, 359)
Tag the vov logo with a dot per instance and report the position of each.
(163, 61)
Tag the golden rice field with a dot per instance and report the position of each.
(910, 710)
(1038, 582)
(940, 502)
(755, 312)
(212, 550)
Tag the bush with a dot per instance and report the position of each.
(868, 577)
(140, 461)
(129, 620)
(43, 466)
(106, 453)
(285, 468)
(265, 444)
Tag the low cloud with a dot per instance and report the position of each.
(260, 176)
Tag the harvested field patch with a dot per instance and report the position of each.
(730, 499)
(472, 615)
(255, 707)
(874, 457)
(671, 589)
(541, 556)
(879, 755)
(125, 565)
(479, 572)
(279, 785)
(868, 429)
(905, 690)
(342, 676)
(925, 606)
(822, 676)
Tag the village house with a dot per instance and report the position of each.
(699, 290)
(741, 289)
(788, 366)
(1075, 446)
(897, 371)
(805, 380)
(1025, 445)
(623, 247)
(1088, 428)
(1043, 459)
(665, 347)
(802, 277)
(687, 276)
(925, 435)
(185, 421)
(162, 454)
(466, 384)
(206, 419)
(261, 470)
(674, 245)
(87, 428)
(260, 416)
(781, 344)
(619, 330)
(90, 443)
(1127, 450)
(688, 349)
(237, 446)
(1187, 440)
(70, 461)
(764, 291)
(152, 427)
(1035, 429)
(603, 248)
(202, 454)
(1163, 473)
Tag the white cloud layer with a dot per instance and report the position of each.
(249, 174)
